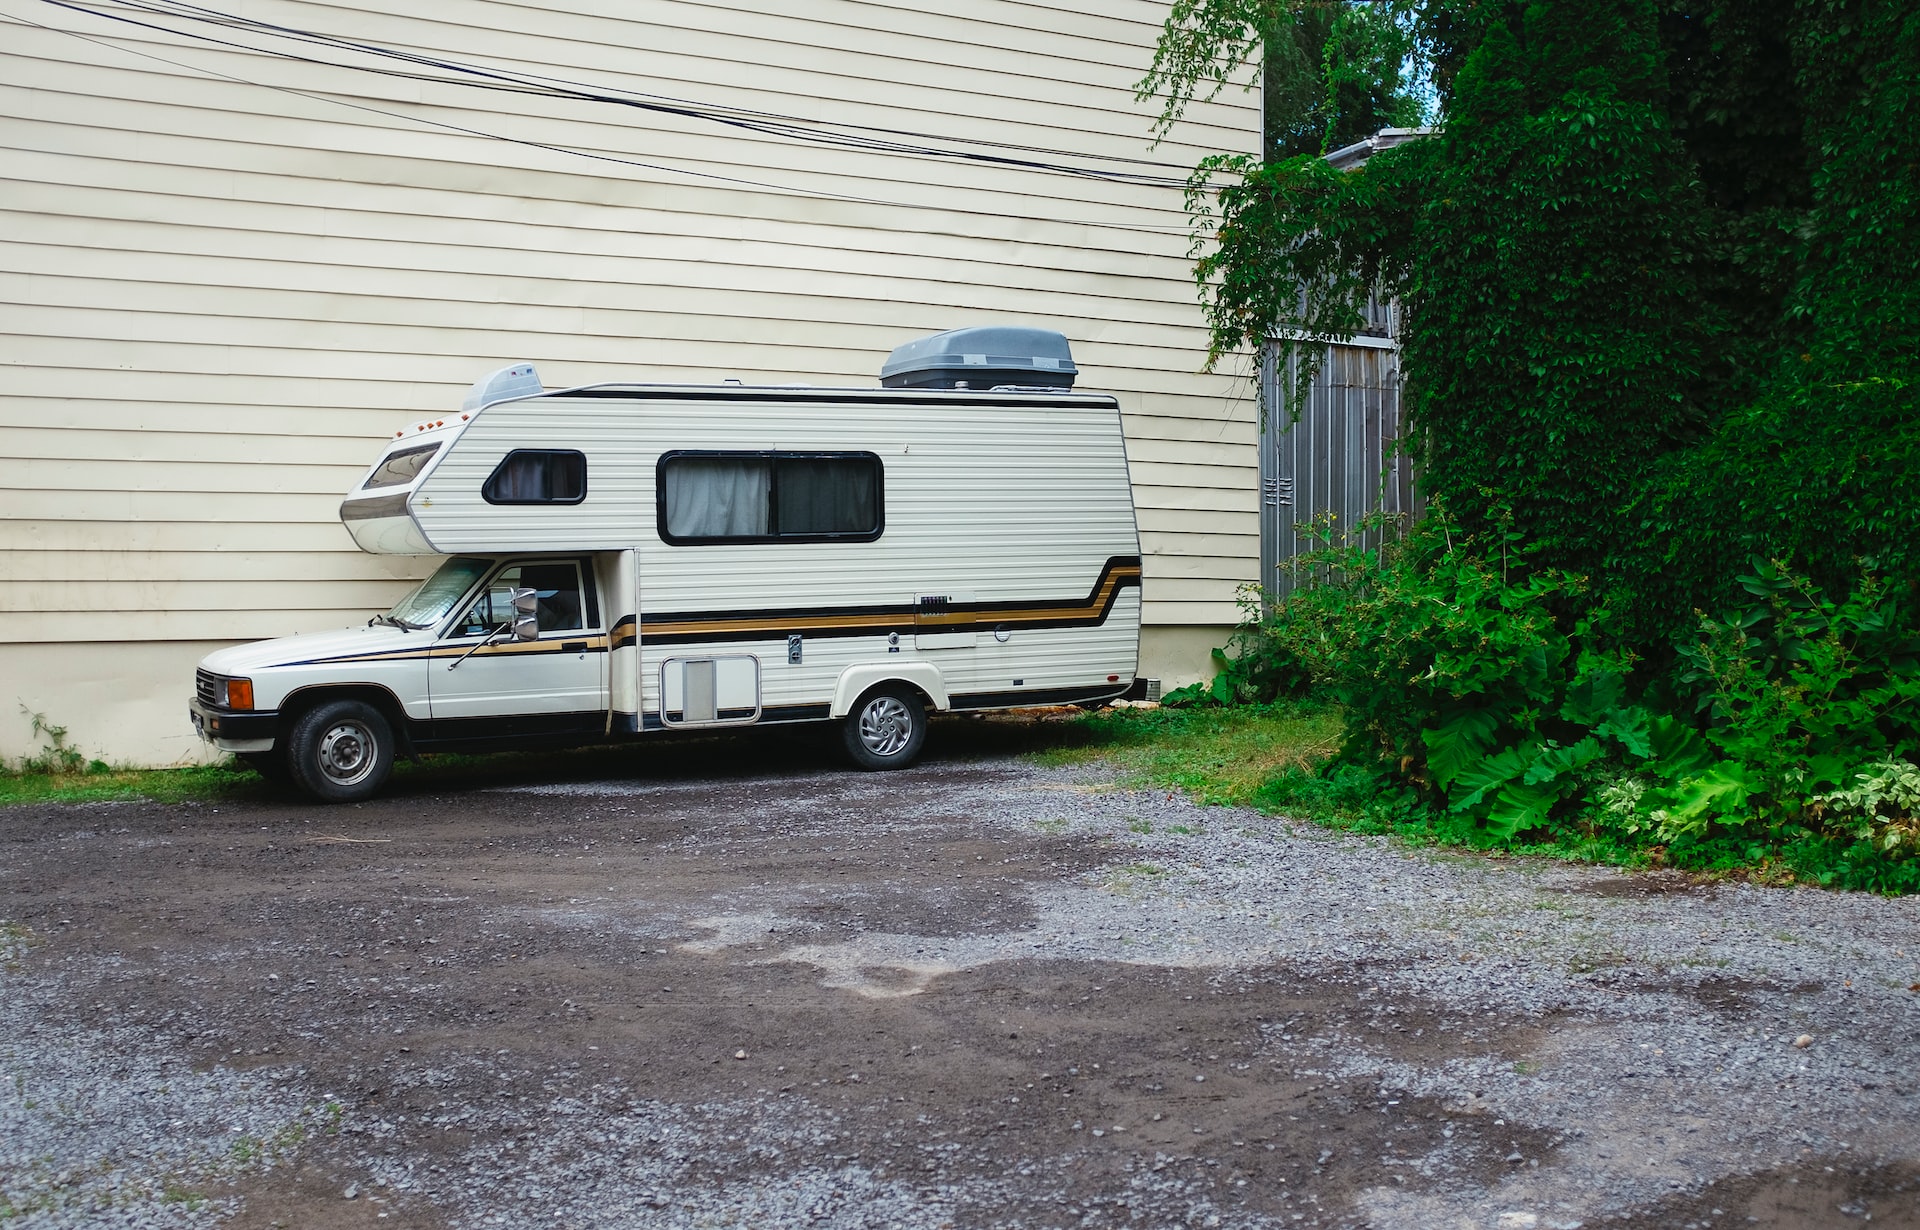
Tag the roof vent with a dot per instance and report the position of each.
(508, 383)
(982, 358)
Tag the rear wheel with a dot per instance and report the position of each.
(340, 751)
(886, 728)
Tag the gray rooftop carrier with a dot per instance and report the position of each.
(982, 358)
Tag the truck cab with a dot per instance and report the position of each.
(489, 651)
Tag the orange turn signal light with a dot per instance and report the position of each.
(239, 693)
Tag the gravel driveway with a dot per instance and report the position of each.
(974, 994)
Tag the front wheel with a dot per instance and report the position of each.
(341, 751)
(886, 728)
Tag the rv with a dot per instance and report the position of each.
(625, 559)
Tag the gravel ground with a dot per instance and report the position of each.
(972, 994)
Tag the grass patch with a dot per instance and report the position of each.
(1279, 759)
(1224, 756)
(101, 783)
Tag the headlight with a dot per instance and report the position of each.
(239, 693)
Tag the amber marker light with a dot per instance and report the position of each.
(239, 693)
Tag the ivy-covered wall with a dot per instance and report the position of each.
(1660, 272)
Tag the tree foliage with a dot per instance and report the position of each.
(1331, 71)
(1657, 273)
(1660, 280)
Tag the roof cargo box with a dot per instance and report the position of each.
(982, 358)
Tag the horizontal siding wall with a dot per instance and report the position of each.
(225, 275)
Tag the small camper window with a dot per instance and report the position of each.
(400, 468)
(538, 476)
(769, 497)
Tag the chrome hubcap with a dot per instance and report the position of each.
(347, 753)
(885, 726)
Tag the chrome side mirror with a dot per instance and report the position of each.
(526, 614)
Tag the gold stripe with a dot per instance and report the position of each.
(780, 624)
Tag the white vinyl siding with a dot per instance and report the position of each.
(224, 281)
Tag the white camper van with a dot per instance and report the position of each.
(623, 559)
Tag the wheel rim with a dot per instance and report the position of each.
(885, 726)
(348, 752)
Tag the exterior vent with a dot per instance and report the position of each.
(982, 358)
(508, 383)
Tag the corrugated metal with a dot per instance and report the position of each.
(1342, 455)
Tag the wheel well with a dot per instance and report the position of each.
(306, 699)
(926, 702)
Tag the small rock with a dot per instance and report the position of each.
(1803, 1041)
(741, 1054)
(353, 1189)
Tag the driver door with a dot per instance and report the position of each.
(485, 683)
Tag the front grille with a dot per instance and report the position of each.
(211, 689)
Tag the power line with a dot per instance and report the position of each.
(855, 137)
(782, 189)
(215, 16)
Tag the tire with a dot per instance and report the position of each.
(340, 751)
(886, 729)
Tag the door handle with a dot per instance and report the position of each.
(574, 647)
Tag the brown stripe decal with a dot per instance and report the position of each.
(594, 643)
(1121, 572)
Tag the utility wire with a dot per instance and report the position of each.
(782, 189)
(217, 17)
(872, 140)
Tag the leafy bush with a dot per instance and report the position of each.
(1490, 701)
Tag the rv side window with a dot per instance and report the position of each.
(769, 497)
(538, 476)
(400, 468)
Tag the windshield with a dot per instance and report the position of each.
(429, 604)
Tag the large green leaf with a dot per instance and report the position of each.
(1697, 801)
(1678, 749)
(1630, 725)
(1521, 806)
(1593, 698)
(1489, 773)
(1457, 744)
(1552, 764)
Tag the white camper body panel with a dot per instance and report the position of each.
(1014, 511)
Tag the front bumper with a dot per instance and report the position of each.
(253, 731)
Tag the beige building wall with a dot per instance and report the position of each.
(231, 262)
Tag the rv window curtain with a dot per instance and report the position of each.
(717, 497)
(827, 495)
(758, 497)
(532, 476)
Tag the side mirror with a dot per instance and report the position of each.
(526, 614)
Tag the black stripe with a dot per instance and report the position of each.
(884, 397)
(768, 716)
(374, 509)
(510, 730)
(1036, 696)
